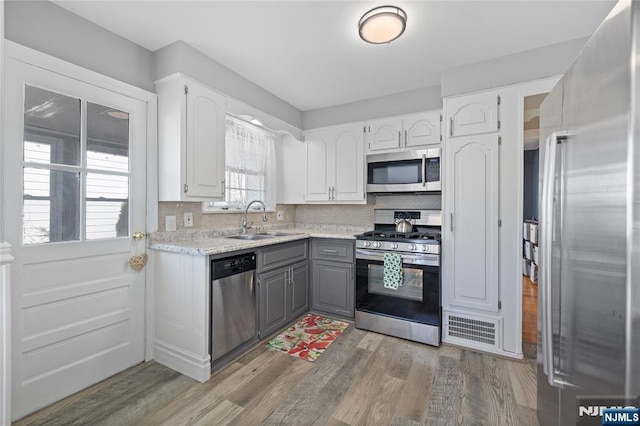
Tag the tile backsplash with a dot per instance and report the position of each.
(303, 214)
(218, 220)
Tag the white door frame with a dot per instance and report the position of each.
(52, 64)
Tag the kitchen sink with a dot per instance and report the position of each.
(275, 234)
(251, 236)
(261, 235)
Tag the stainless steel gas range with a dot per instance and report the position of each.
(412, 310)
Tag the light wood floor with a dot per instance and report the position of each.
(529, 310)
(362, 379)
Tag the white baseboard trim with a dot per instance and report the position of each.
(181, 361)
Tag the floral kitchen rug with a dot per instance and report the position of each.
(309, 337)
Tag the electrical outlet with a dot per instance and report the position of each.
(280, 215)
(188, 219)
(170, 223)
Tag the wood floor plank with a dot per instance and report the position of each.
(224, 413)
(500, 401)
(444, 397)
(359, 399)
(313, 400)
(412, 404)
(383, 405)
(371, 341)
(261, 406)
(473, 404)
(184, 400)
(264, 379)
(450, 351)
(523, 382)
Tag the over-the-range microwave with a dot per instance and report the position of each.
(407, 171)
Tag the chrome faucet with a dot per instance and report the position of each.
(245, 224)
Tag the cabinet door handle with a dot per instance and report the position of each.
(330, 251)
(451, 222)
(451, 126)
(290, 274)
(399, 138)
(405, 138)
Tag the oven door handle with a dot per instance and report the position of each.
(424, 170)
(406, 258)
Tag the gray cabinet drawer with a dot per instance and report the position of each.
(332, 249)
(282, 255)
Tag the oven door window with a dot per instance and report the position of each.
(417, 299)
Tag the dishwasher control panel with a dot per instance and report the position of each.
(227, 266)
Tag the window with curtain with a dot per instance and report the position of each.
(250, 167)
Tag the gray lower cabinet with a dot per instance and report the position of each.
(332, 265)
(283, 288)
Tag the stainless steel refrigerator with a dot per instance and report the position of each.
(589, 279)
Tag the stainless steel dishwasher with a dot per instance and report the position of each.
(233, 303)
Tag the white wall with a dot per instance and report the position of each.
(425, 99)
(517, 68)
(52, 29)
(180, 57)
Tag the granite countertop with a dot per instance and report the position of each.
(223, 244)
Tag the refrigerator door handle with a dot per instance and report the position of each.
(543, 247)
(547, 313)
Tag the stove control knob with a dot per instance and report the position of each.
(413, 247)
(376, 244)
(367, 243)
(394, 246)
(425, 248)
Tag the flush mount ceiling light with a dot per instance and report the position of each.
(382, 24)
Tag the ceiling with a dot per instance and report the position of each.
(309, 54)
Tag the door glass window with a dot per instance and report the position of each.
(76, 184)
(52, 122)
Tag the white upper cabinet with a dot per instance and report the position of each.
(422, 129)
(293, 170)
(385, 134)
(349, 165)
(320, 165)
(191, 129)
(474, 114)
(399, 133)
(335, 164)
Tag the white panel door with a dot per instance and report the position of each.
(320, 166)
(349, 160)
(473, 114)
(75, 190)
(474, 170)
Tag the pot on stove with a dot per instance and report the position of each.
(403, 224)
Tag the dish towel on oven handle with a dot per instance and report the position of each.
(392, 270)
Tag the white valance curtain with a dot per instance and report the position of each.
(250, 159)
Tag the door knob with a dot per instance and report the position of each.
(139, 235)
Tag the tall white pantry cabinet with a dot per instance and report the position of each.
(482, 218)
